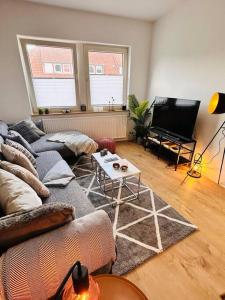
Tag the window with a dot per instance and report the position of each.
(50, 87)
(58, 68)
(99, 69)
(48, 68)
(67, 68)
(108, 84)
(91, 69)
(60, 75)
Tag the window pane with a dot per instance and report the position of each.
(99, 69)
(91, 69)
(108, 80)
(48, 68)
(58, 68)
(52, 75)
(67, 68)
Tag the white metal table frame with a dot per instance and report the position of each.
(102, 176)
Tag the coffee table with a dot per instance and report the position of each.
(105, 172)
(118, 288)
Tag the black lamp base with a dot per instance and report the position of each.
(194, 174)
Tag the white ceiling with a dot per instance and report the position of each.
(149, 10)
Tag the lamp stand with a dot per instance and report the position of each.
(203, 152)
(221, 166)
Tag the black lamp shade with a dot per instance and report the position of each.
(80, 279)
(217, 104)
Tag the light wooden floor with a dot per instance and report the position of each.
(193, 269)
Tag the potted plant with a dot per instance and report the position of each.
(140, 114)
(40, 111)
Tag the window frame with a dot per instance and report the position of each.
(28, 75)
(107, 49)
(79, 69)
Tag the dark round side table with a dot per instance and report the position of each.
(118, 288)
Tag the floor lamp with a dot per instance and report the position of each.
(216, 106)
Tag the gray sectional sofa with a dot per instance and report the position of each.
(88, 238)
(43, 145)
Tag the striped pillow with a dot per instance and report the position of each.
(27, 177)
(21, 149)
(24, 129)
(15, 156)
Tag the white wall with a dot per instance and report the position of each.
(18, 17)
(188, 61)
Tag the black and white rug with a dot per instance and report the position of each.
(142, 227)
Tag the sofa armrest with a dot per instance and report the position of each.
(35, 268)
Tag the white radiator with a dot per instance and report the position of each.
(114, 126)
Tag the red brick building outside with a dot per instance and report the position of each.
(48, 62)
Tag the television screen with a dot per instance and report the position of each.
(175, 116)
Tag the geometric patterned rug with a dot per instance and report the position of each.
(142, 227)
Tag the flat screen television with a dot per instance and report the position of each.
(175, 116)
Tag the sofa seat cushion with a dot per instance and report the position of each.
(43, 144)
(45, 161)
(71, 194)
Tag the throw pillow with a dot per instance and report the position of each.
(16, 195)
(34, 127)
(19, 227)
(29, 134)
(15, 156)
(21, 149)
(26, 176)
(1, 142)
(3, 128)
(39, 124)
(15, 136)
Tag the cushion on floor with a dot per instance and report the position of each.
(107, 143)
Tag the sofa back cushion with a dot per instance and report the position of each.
(15, 194)
(15, 156)
(27, 177)
(19, 227)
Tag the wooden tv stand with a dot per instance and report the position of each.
(182, 148)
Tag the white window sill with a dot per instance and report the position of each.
(80, 113)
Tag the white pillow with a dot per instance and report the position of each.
(15, 194)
